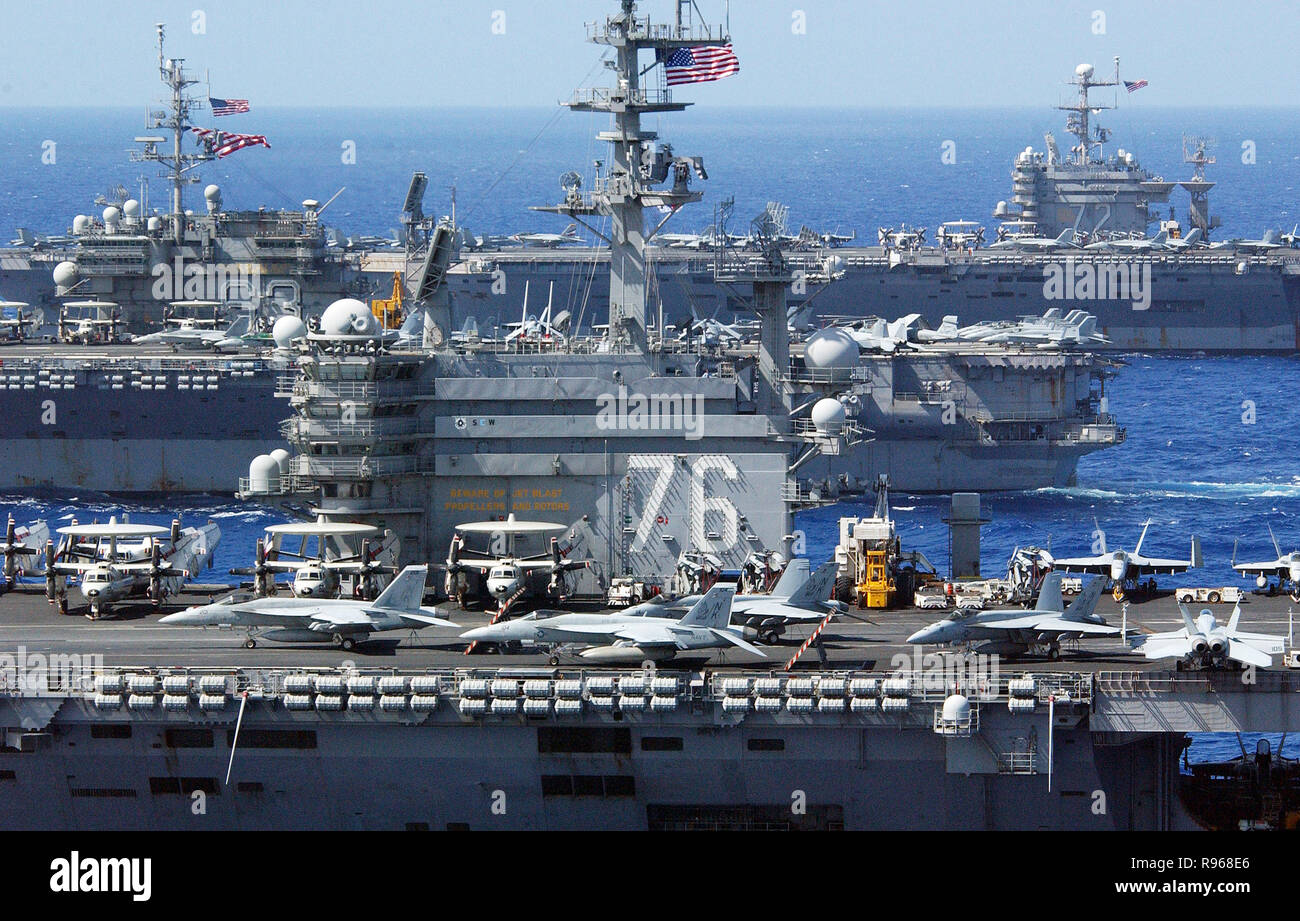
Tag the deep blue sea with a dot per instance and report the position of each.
(1191, 463)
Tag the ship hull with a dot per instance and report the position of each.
(312, 771)
(1202, 303)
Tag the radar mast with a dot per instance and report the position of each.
(175, 119)
(638, 161)
(1078, 122)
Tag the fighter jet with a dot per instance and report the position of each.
(797, 598)
(1126, 569)
(548, 329)
(190, 335)
(1286, 568)
(1038, 244)
(1205, 643)
(1271, 240)
(1017, 632)
(549, 240)
(1132, 244)
(627, 638)
(311, 620)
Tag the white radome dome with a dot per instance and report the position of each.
(260, 472)
(829, 415)
(155, 224)
(956, 709)
(111, 216)
(80, 224)
(65, 274)
(281, 458)
(212, 193)
(131, 208)
(287, 330)
(1084, 70)
(830, 349)
(348, 317)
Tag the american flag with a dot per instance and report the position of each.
(223, 143)
(227, 106)
(1134, 86)
(700, 65)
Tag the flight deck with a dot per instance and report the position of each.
(861, 640)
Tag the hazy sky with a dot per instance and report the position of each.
(851, 53)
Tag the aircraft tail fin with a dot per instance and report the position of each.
(1197, 560)
(713, 610)
(1276, 546)
(792, 579)
(1235, 619)
(1188, 621)
(1083, 607)
(404, 593)
(816, 591)
(1146, 527)
(1049, 595)
(1193, 237)
(1066, 236)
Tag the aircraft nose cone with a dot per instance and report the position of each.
(926, 635)
(478, 633)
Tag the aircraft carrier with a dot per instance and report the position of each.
(126, 419)
(1237, 296)
(127, 724)
(409, 733)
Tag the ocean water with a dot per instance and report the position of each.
(1210, 447)
(837, 169)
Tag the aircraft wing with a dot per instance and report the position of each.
(341, 617)
(425, 620)
(1145, 566)
(1262, 641)
(1270, 568)
(1045, 622)
(1093, 564)
(1249, 653)
(1164, 646)
(650, 633)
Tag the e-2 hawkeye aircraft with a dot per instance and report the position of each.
(23, 551)
(120, 561)
(326, 553)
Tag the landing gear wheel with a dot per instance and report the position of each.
(771, 637)
(1053, 653)
(347, 644)
(250, 643)
(1213, 598)
(553, 659)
